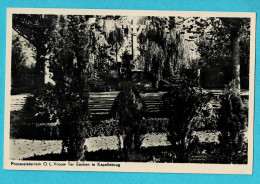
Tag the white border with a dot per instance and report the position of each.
(130, 166)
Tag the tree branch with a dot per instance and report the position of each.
(25, 37)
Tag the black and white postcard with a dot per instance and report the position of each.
(129, 91)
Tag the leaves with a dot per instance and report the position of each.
(130, 110)
(183, 106)
(232, 123)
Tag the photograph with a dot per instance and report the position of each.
(129, 91)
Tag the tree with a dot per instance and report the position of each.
(22, 69)
(129, 109)
(231, 124)
(219, 44)
(69, 55)
(162, 49)
(181, 106)
(109, 39)
(236, 27)
(71, 44)
(36, 29)
(116, 39)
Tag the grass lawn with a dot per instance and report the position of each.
(25, 148)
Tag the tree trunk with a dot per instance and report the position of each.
(235, 57)
(40, 71)
(180, 154)
(116, 53)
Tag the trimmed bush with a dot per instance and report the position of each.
(129, 109)
(108, 127)
(34, 131)
(156, 125)
(232, 124)
(183, 106)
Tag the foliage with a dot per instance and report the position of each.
(107, 127)
(182, 106)
(208, 119)
(223, 43)
(40, 131)
(74, 45)
(116, 39)
(69, 60)
(36, 29)
(70, 44)
(35, 111)
(210, 45)
(22, 72)
(79, 53)
(20, 129)
(40, 108)
(129, 109)
(96, 84)
(156, 125)
(40, 30)
(161, 48)
(110, 127)
(232, 124)
(215, 35)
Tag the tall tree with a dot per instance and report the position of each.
(219, 43)
(71, 45)
(236, 27)
(116, 39)
(22, 65)
(162, 49)
(36, 29)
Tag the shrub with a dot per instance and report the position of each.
(182, 106)
(129, 109)
(38, 109)
(156, 125)
(34, 131)
(96, 84)
(108, 127)
(207, 120)
(72, 113)
(232, 123)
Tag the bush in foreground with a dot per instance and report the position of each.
(129, 109)
(182, 106)
(232, 123)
